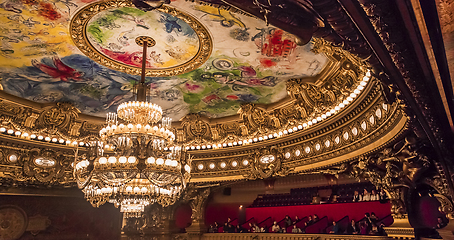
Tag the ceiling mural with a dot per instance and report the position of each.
(114, 32)
(249, 60)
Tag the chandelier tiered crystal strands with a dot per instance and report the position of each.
(135, 162)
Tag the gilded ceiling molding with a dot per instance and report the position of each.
(384, 20)
(22, 165)
(311, 99)
(370, 127)
(58, 124)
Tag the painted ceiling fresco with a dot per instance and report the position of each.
(250, 61)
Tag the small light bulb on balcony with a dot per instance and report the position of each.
(47, 139)
(17, 133)
(130, 126)
(61, 140)
(131, 159)
(224, 144)
(151, 160)
(25, 135)
(112, 160)
(160, 161)
(2, 129)
(122, 159)
(54, 139)
(102, 160)
(10, 131)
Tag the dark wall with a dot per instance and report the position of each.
(68, 218)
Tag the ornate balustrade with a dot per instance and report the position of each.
(284, 236)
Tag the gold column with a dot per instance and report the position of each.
(198, 203)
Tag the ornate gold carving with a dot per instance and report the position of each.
(394, 170)
(58, 117)
(265, 163)
(198, 198)
(56, 168)
(446, 205)
(79, 36)
(195, 129)
(254, 117)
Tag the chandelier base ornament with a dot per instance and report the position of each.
(134, 162)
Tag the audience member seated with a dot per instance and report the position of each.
(374, 196)
(352, 228)
(231, 228)
(363, 228)
(275, 228)
(309, 221)
(335, 229)
(296, 229)
(334, 198)
(367, 221)
(240, 229)
(226, 228)
(381, 230)
(296, 220)
(253, 228)
(383, 196)
(315, 218)
(356, 197)
(211, 229)
(287, 221)
(441, 223)
(373, 218)
(374, 230)
(264, 229)
(366, 196)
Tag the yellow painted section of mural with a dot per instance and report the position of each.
(22, 43)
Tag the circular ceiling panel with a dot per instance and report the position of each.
(109, 34)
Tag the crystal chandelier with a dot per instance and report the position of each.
(134, 162)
